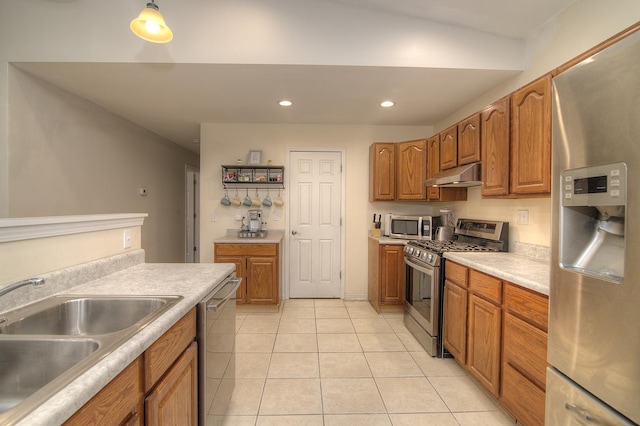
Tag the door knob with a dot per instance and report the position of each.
(294, 232)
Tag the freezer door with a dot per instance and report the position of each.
(569, 405)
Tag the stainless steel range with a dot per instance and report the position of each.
(424, 285)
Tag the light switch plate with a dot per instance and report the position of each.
(523, 217)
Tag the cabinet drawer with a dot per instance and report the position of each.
(522, 398)
(246, 249)
(119, 402)
(456, 273)
(486, 286)
(163, 353)
(531, 306)
(525, 347)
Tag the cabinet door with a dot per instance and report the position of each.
(469, 140)
(455, 321)
(262, 279)
(412, 170)
(531, 138)
(495, 148)
(118, 403)
(174, 401)
(449, 148)
(239, 261)
(483, 350)
(382, 172)
(392, 274)
(433, 155)
(523, 399)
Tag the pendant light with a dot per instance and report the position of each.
(150, 25)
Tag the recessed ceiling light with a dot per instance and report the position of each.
(285, 103)
(387, 104)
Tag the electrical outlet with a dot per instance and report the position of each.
(214, 217)
(276, 216)
(238, 216)
(523, 217)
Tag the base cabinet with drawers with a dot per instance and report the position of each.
(160, 387)
(257, 265)
(498, 332)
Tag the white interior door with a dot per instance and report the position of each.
(315, 209)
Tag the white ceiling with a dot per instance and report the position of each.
(173, 99)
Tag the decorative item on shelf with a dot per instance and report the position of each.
(260, 175)
(245, 175)
(254, 157)
(275, 175)
(230, 175)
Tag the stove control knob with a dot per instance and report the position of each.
(430, 257)
(409, 250)
(417, 253)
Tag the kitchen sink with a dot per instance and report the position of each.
(47, 344)
(27, 365)
(81, 316)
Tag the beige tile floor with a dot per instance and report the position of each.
(331, 362)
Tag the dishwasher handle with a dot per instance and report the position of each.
(224, 294)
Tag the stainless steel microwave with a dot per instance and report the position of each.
(413, 227)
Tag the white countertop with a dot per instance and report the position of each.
(192, 281)
(521, 270)
(389, 240)
(273, 237)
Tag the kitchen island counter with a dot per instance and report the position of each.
(524, 271)
(191, 281)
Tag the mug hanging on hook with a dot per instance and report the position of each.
(279, 201)
(225, 201)
(247, 201)
(236, 201)
(267, 200)
(257, 202)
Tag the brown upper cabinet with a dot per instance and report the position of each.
(382, 172)
(433, 166)
(495, 148)
(531, 138)
(469, 140)
(412, 170)
(449, 148)
(397, 171)
(516, 143)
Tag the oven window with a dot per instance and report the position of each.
(419, 295)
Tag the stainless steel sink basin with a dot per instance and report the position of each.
(46, 345)
(81, 316)
(27, 365)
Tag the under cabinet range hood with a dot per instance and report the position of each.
(463, 176)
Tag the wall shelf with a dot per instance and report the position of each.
(253, 177)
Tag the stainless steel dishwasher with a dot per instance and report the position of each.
(216, 334)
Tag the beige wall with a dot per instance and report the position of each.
(224, 143)
(68, 157)
(29, 258)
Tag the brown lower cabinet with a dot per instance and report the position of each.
(163, 380)
(386, 275)
(498, 332)
(257, 265)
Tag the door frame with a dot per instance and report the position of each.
(287, 231)
(192, 208)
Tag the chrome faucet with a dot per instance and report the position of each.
(30, 281)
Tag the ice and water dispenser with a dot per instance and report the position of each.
(592, 220)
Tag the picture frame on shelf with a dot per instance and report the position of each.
(254, 157)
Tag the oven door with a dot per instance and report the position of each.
(423, 298)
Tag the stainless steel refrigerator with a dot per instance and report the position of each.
(594, 313)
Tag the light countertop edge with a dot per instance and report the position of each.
(389, 240)
(273, 237)
(191, 281)
(521, 270)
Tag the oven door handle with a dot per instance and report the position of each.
(427, 270)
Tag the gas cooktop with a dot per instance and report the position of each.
(470, 235)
